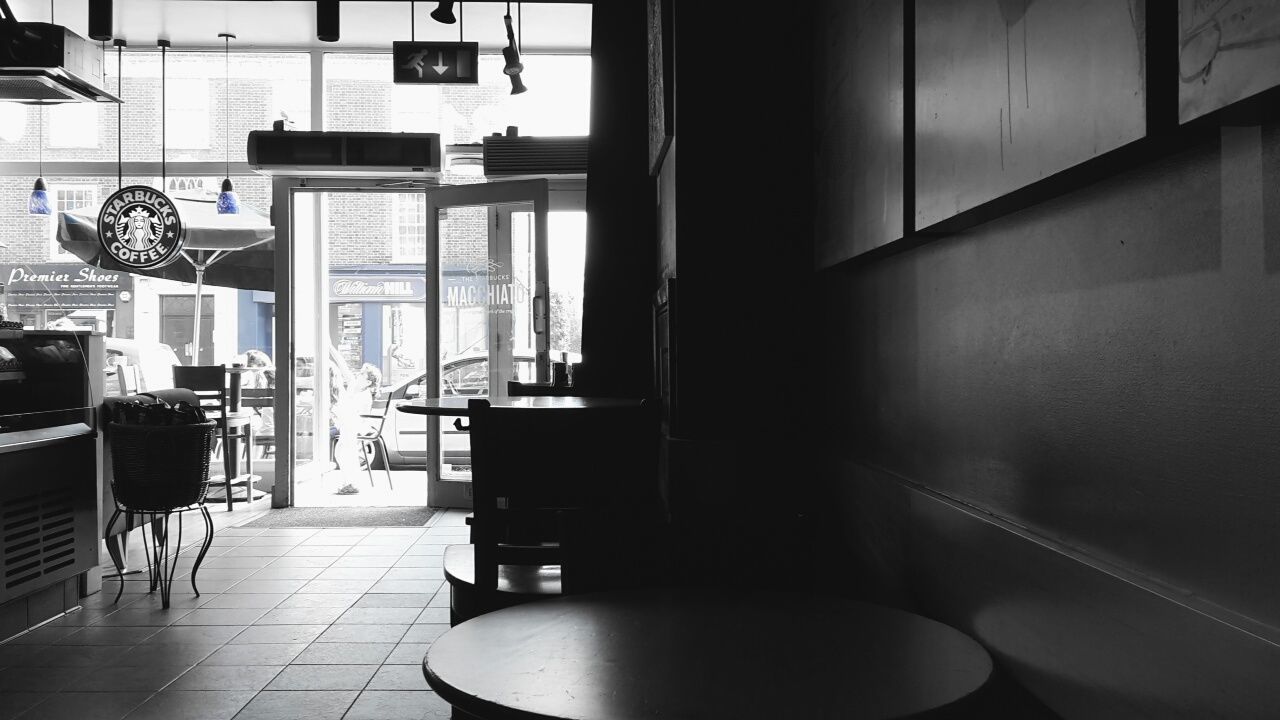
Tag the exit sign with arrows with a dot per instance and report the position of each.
(435, 63)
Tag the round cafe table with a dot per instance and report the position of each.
(673, 654)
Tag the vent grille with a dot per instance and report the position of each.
(32, 89)
(37, 537)
(534, 156)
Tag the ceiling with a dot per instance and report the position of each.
(547, 27)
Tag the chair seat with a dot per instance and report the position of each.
(520, 580)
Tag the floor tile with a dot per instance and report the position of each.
(142, 617)
(82, 617)
(339, 600)
(13, 704)
(424, 633)
(279, 634)
(255, 654)
(268, 586)
(299, 533)
(291, 705)
(196, 634)
(398, 600)
(184, 599)
(398, 705)
(399, 677)
(261, 551)
(376, 550)
(45, 635)
(226, 677)
(119, 678)
(317, 551)
(301, 616)
(414, 573)
(338, 586)
(87, 706)
(436, 561)
(170, 655)
(301, 562)
(405, 586)
(336, 653)
(38, 679)
(408, 653)
(217, 573)
(366, 561)
(192, 705)
(350, 573)
(95, 635)
(265, 601)
(287, 573)
(379, 616)
(222, 616)
(363, 633)
(433, 615)
(441, 599)
(323, 677)
(271, 540)
(22, 655)
(235, 562)
(428, 550)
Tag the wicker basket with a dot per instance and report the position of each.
(160, 467)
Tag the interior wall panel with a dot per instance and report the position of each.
(858, 144)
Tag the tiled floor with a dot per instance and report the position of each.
(292, 623)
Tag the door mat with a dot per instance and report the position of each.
(343, 517)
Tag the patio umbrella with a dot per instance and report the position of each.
(234, 251)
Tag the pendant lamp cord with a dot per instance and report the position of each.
(520, 27)
(459, 22)
(226, 89)
(413, 20)
(164, 125)
(120, 118)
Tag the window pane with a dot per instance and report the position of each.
(359, 95)
(262, 86)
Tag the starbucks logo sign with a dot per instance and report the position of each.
(139, 227)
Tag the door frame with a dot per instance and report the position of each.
(283, 190)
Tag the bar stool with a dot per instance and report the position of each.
(209, 383)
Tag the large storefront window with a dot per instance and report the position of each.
(263, 87)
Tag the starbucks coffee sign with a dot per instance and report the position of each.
(139, 228)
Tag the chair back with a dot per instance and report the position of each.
(127, 379)
(537, 473)
(208, 382)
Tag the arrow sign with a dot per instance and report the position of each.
(435, 63)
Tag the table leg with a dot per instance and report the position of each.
(228, 464)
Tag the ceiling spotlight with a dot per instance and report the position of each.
(444, 13)
(100, 17)
(327, 20)
(510, 53)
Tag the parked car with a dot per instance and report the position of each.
(154, 361)
(405, 435)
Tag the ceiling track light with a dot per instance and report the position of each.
(327, 20)
(511, 53)
(444, 13)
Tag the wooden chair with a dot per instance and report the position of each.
(565, 501)
(127, 379)
(209, 383)
(261, 401)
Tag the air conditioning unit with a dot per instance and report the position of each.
(345, 154)
(43, 64)
(509, 156)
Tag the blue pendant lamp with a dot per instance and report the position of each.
(38, 203)
(228, 203)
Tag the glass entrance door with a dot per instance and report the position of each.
(493, 310)
(457, 307)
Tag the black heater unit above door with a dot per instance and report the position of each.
(345, 154)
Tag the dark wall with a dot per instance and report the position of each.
(618, 278)
(1060, 431)
(735, 229)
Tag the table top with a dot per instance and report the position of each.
(457, 405)
(700, 654)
